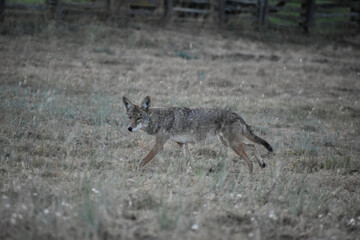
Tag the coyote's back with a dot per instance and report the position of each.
(187, 125)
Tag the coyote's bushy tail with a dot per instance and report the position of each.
(249, 134)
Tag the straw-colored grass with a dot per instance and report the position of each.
(69, 166)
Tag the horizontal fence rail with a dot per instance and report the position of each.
(235, 7)
(306, 15)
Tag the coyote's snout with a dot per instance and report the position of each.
(185, 125)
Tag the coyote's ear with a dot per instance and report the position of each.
(146, 103)
(127, 103)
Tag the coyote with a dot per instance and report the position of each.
(186, 125)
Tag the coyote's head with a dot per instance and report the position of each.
(138, 115)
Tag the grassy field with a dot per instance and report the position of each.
(69, 166)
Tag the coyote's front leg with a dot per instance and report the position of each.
(159, 146)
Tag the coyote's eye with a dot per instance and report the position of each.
(138, 118)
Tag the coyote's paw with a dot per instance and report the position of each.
(263, 165)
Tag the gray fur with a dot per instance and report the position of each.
(186, 125)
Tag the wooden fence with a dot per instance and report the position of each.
(188, 9)
(230, 8)
(305, 15)
(313, 14)
(55, 7)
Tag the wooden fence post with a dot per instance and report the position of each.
(55, 9)
(51, 6)
(309, 7)
(168, 10)
(266, 12)
(222, 10)
(108, 7)
(59, 9)
(260, 10)
(2, 8)
(263, 12)
(356, 9)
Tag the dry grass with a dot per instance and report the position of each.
(68, 164)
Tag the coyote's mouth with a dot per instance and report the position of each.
(136, 128)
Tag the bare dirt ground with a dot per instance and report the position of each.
(68, 165)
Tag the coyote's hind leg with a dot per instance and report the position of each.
(187, 152)
(239, 149)
(257, 155)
